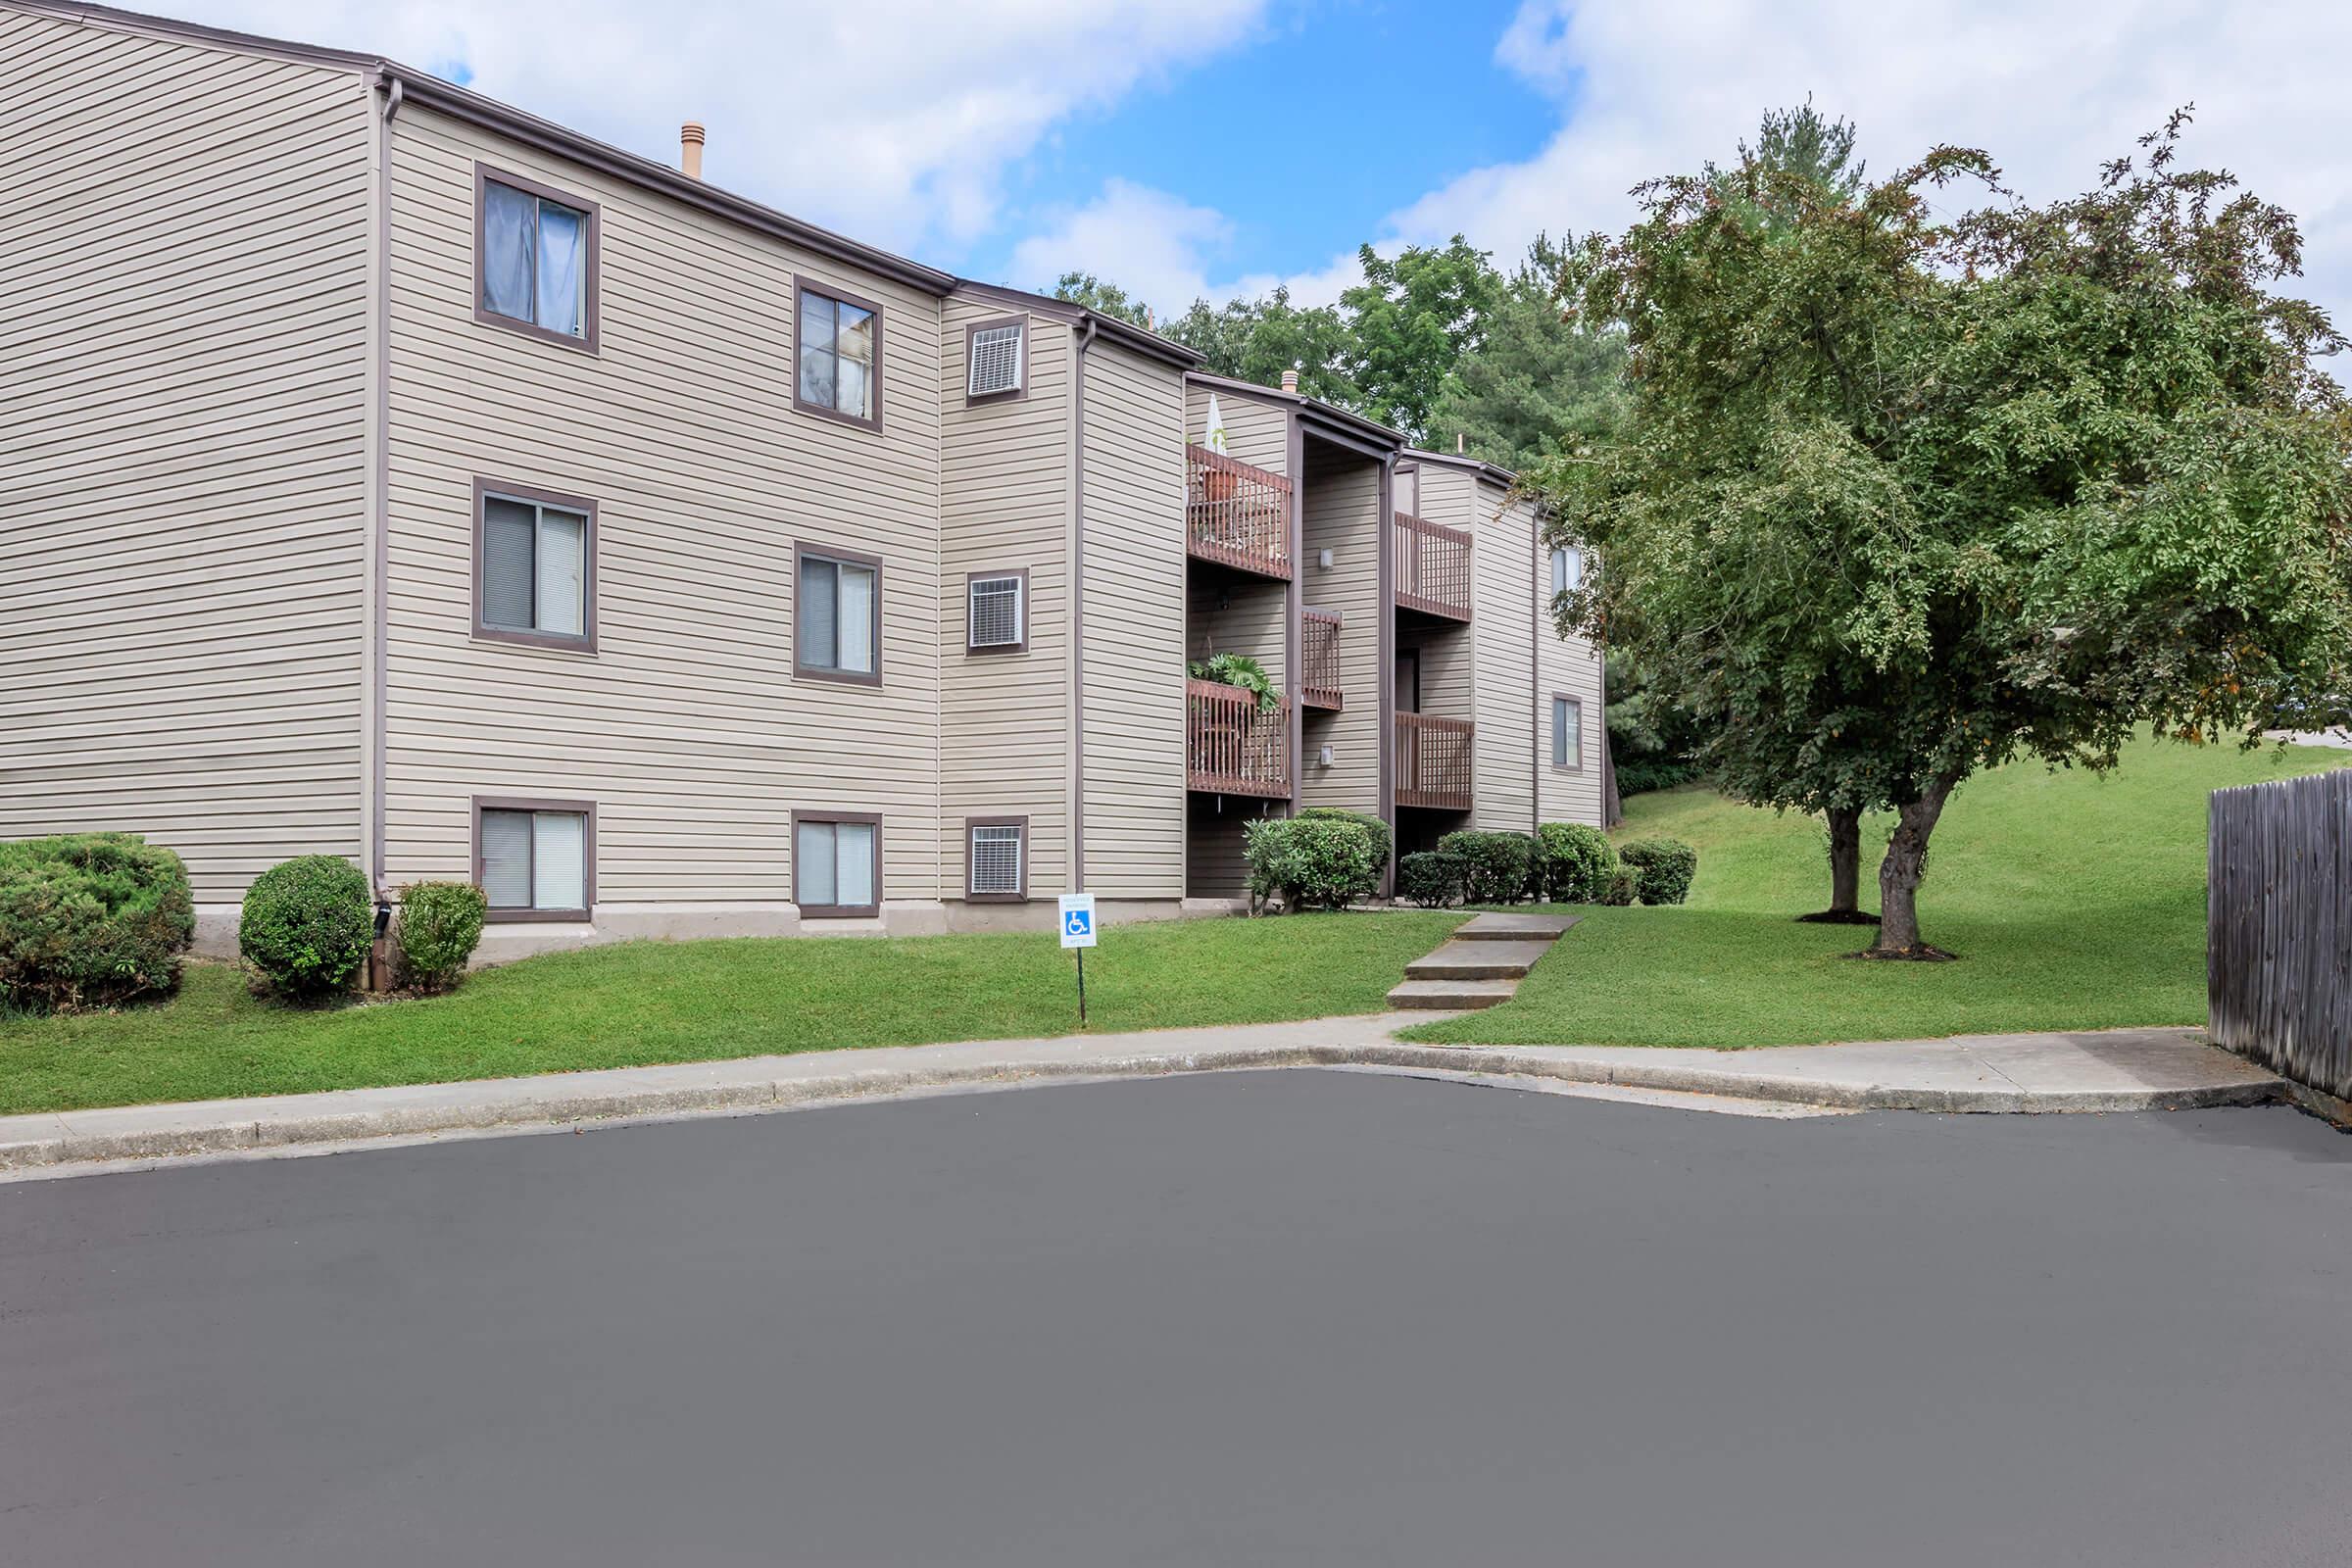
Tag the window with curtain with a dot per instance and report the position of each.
(1567, 569)
(535, 260)
(836, 866)
(839, 620)
(533, 570)
(840, 354)
(534, 860)
(1567, 733)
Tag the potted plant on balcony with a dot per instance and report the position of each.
(1238, 670)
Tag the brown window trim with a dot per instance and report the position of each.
(971, 822)
(1551, 718)
(972, 331)
(483, 490)
(589, 340)
(507, 802)
(801, 550)
(840, 912)
(839, 296)
(971, 578)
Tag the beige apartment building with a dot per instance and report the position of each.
(388, 472)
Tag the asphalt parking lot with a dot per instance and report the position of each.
(1278, 1317)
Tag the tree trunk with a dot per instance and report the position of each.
(1845, 860)
(1900, 873)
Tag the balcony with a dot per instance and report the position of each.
(1232, 746)
(1237, 516)
(1434, 761)
(1432, 568)
(1320, 685)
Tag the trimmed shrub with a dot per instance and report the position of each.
(307, 925)
(90, 920)
(1429, 879)
(1573, 862)
(440, 923)
(1667, 867)
(1311, 862)
(1624, 886)
(1371, 824)
(1495, 867)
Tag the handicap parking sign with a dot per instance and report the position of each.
(1077, 920)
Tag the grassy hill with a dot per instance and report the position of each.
(2074, 901)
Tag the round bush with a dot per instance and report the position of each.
(1312, 862)
(1495, 867)
(1371, 824)
(1429, 879)
(1573, 862)
(307, 925)
(440, 923)
(1667, 867)
(1624, 887)
(90, 920)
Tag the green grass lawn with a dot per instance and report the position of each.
(2074, 902)
(658, 1002)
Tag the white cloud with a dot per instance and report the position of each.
(892, 120)
(1645, 89)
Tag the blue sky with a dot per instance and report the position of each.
(1187, 147)
(1377, 100)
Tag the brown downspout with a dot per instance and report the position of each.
(1294, 592)
(1535, 677)
(1085, 338)
(1384, 535)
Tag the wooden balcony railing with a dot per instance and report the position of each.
(1433, 568)
(1320, 685)
(1231, 745)
(1237, 516)
(1434, 761)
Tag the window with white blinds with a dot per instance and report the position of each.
(993, 360)
(840, 622)
(997, 612)
(836, 866)
(534, 860)
(998, 860)
(534, 571)
(1567, 733)
(1567, 569)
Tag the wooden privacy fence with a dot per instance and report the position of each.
(2278, 928)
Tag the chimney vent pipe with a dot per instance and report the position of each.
(1289, 380)
(690, 149)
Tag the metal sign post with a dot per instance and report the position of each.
(1078, 931)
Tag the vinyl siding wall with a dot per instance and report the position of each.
(1504, 625)
(185, 346)
(1233, 613)
(1133, 677)
(1256, 431)
(1006, 494)
(1571, 666)
(1343, 516)
(687, 727)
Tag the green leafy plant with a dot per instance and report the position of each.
(1311, 863)
(1381, 840)
(1667, 867)
(1495, 867)
(440, 925)
(1624, 887)
(1238, 669)
(1573, 862)
(306, 926)
(1429, 879)
(90, 920)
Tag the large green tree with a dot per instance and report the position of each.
(1084, 289)
(1934, 494)
(1411, 321)
(1256, 340)
(1539, 380)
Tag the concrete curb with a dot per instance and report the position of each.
(774, 1083)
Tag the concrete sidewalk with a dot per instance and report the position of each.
(2127, 1069)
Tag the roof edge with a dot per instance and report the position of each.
(1338, 419)
(1454, 459)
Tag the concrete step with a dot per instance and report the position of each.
(1514, 927)
(1477, 961)
(1452, 993)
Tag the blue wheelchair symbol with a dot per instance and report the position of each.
(1079, 922)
